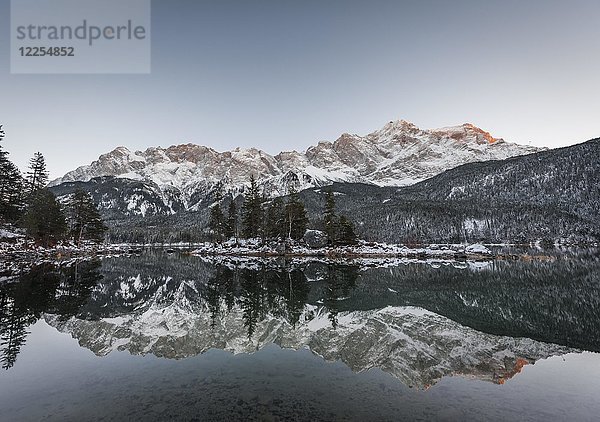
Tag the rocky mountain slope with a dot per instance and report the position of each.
(551, 195)
(180, 177)
(548, 196)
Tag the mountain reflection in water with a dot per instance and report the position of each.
(416, 321)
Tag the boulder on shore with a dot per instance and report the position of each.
(315, 239)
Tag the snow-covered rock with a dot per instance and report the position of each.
(10, 235)
(315, 239)
(398, 154)
(478, 249)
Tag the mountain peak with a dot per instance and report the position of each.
(484, 133)
(398, 125)
(121, 150)
(467, 132)
(398, 154)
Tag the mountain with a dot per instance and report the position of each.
(180, 177)
(550, 196)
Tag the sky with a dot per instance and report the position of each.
(282, 75)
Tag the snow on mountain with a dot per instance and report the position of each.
(399, 154)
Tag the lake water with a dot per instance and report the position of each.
(173, 337)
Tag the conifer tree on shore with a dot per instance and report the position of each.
(330, 219)
(252, 213)
(217, 222)
(85, 222)
(11, 185)
(37, 176)
(339, 229)
(276, 219)
(232, 221)
(295, 216)
(44, 219)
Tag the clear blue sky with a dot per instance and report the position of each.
(282, 75)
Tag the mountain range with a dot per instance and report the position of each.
(416, 346)
(399, 154)
(399, 184)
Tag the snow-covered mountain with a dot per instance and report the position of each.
(399, 154)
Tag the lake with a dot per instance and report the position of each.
(162, 336)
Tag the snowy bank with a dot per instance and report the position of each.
(254, 247)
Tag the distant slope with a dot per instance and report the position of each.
(565, 178)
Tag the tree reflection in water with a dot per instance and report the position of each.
(554, 302)
(279, 292)
(45, 289)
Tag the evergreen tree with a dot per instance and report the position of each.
(76, 286)
(346, 234)
(275, 220)
(252, 212)
(330, 219)
(37, 176)
(341, 280)
(85, 221)
(232, 221)
(44, 219)
(217, 220)
(295, 216)
(13, 332)
(339, 230)
(11, 186)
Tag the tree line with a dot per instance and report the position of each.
(279, 218)
(27, 203)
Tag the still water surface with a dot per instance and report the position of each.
(167, 336)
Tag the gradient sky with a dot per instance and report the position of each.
(282, 75)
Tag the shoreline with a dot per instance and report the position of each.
(17, 260)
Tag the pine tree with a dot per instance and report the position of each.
(11, 186)
(217, 220)
(295, 216)
(85, 222)
(339, 230)
(37, 176)
(346, 234)
(13, 333)
(216, 223)
(252, 212)
(44, 219)
(232, 221)
(275, 220)
(330, 219)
